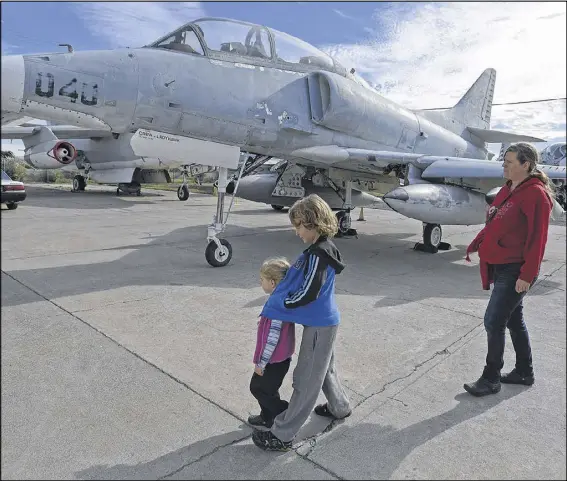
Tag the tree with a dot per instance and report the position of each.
(7, 154)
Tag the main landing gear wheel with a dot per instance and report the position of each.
(130, 188)
(218, 255)
(277, 207)
(561, 197)
(344, 224)
(432, 235)
(79, 183)
(183, 192)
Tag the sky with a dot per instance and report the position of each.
(421, 55)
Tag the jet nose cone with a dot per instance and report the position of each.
(13, 79)
(398, 193)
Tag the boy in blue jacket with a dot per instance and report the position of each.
(307, 296)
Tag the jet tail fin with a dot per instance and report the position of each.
(475, 107)
(503, 149)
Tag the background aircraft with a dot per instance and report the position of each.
(96, 156)
(216, 87)
(554, 154)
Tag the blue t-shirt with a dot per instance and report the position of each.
(306, 295)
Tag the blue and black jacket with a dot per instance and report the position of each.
(306, 295)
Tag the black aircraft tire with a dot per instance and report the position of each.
(343, 222)
(214, 255)
(183, 192)
(432, 235)
(79, 183)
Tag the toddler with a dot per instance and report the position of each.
(275, 344)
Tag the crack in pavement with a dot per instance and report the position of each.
(236, 441)
(398, 400)
(116, 303)
(541, 280)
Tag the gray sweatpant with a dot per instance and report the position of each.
(315, 370)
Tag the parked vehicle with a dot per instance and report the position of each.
(12, 191)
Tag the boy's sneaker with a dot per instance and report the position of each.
(514, 377)
(259, 421)
(323, 410)
(268, 442)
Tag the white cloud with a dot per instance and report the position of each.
(14, 146)
(340, 13)
(424, 56)
(125, 24)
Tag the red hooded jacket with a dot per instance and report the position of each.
(518, 231)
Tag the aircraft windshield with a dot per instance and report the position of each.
(293, 50)
(183, 40)
(235, 38)
(243, 39)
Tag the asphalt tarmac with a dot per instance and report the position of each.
(126, 356)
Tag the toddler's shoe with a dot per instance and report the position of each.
(259, 421)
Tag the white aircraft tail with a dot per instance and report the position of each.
(475, 107)
(471, 115)
(473, 110)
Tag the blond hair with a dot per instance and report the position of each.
(274, 269)
(312, 212)
(526, 152)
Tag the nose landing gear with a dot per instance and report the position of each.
(218, 252)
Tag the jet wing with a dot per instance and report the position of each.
(60, 131)
(333, 155)
(433, 166)
(498, 136)
(480, 169)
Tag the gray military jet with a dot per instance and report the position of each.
(215, 87)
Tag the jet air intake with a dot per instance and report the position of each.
(345, 106)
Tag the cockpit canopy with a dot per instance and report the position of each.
(219, 37)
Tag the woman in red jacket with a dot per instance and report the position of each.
(511, 247)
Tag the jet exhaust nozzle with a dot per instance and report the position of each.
(63, 152)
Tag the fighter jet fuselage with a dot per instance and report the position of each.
(262, 105)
